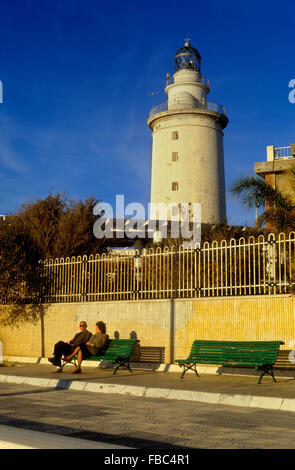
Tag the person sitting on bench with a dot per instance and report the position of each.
(62, 348)
(95, 346)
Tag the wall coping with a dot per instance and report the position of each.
(194, 299)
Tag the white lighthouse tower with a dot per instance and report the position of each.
(187, 158)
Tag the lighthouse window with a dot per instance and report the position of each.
(174, 156)
(174, 135)
(175, 186)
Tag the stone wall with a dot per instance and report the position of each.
(161, 325)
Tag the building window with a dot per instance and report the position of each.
(174, 156)
(175, 186)
(174, 135)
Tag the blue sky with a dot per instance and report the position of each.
(77, 75)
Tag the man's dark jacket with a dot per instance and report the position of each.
(81, 338)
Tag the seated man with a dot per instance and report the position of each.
(61, 348)
(94, 347)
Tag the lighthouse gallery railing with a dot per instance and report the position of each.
(217, 108)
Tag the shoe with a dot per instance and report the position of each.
(58, 369)
(77, 370)
(66, 359)
(55, 362)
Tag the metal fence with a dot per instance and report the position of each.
(282, 152)
(217, 108)
(202, 79)
(228, 268)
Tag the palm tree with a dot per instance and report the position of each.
(279, 208)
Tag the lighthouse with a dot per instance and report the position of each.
(187, 151)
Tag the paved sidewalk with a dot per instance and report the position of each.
(15, 438)
(234, 390)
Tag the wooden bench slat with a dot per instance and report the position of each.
(258, 354)
(118, 352)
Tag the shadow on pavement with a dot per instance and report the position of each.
(122, 440)
(29, 392)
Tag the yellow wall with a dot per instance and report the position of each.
(172, 325)
(236, 318)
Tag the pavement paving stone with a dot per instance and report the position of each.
(15, 438)
(152, 381)
(144, 422)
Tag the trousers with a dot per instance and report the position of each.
(61, 348)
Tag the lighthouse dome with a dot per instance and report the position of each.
(187, 57)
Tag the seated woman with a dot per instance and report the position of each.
(93, 347)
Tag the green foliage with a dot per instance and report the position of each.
(49, 228)
(213, 232)
(279, 208)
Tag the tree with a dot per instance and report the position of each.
(49, 228)
(279, 208)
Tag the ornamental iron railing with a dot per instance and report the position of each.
(253, 266)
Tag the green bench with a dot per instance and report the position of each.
(258, 354)
(118, 352)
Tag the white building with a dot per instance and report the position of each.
(187, 155)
